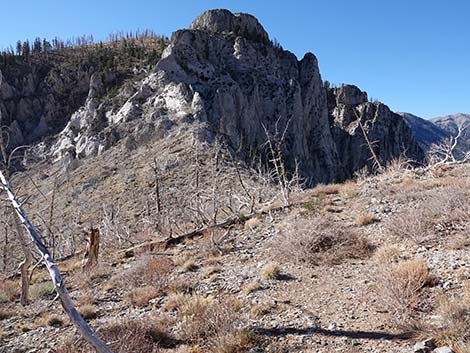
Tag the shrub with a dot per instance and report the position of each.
(39, 290)
(127, 336)
(147, 271)
(140, 297)
(8, 291)
(400, 289)
(271, 270)
(387, 254)
(317, 240)
(365, 219)
(88, 311)
(210, 322)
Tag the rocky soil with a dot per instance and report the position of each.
(329, 305)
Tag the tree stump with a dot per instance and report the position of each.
(90, 258)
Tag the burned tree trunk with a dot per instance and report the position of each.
(24, 266)
(83, 328)
(90, 258)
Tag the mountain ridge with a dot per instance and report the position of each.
(222, 72)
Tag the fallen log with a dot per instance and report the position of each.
(172, 241)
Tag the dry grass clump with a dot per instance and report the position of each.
(400, 289)
(451, 326)
(140, 297)
(127, 336)
(441, 212)
(147, 271)
(88, 311)
(262, 309)
(251, 287)
(49, 320)
(212, 323)
(365, 219)
(271, 270)
(320, 241)
(39, 290)
(329, 189)
(387, 254)
(8, 291)
(5, 313)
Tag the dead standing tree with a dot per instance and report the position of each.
(275, 143)
(370, 145)
(83, 328)
(6, 161)
(448, 152)
(90, 258)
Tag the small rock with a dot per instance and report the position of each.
(333, 326)
(424, 346)
(444, 349)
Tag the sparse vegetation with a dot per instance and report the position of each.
(271, 270)
(43, 289)
(365, 219)
(128, 336)
(317, 241)
(400, 290)
(8, 291)
(88, 311)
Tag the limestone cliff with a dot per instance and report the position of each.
(226, 78)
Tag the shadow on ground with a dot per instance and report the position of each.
(371, 335)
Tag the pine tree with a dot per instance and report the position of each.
(19, 46)
(37, 45)
(26, 51)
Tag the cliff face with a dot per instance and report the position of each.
(37, 100)
(224, 76)
(353, 117)
(224, 72)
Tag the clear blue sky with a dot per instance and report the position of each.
(413, 55)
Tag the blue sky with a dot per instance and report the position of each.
(412, 55)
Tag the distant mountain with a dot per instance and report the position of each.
(425, 131)
(450, 124)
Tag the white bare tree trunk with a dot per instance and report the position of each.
(83, 328)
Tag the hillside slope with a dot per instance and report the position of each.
(451, 123)
(425, 131)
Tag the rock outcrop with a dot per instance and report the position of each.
(226, 78)
(353, 117)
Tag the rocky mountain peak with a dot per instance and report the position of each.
(225, 22)
(350, 95)
(225, 79)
